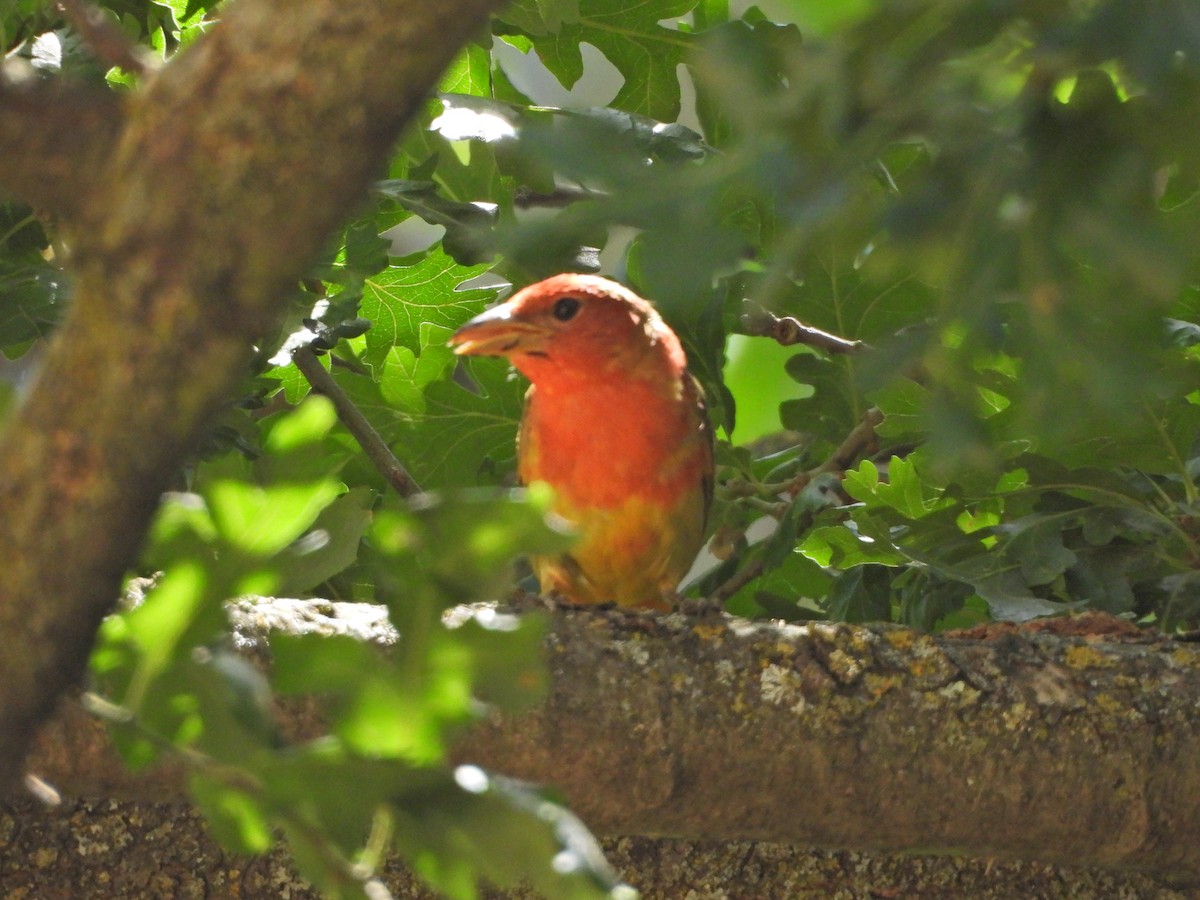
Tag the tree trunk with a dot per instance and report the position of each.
(190, 210)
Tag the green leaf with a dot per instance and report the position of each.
(405, 299)
(861, 594)
(1000, 583)
(262, 521)
(1101, 578)
(381, 709)
(34, 296)
(465, 436)
(782, 542)
(826, 406)
(467, 239)
(842, 548)
(903, 491)
(1035, 543)
(236, 818)
(905, 405)
(469, 73)
(330, 546)
(825, 18)
(405, 376)
(136, 648)
(478, 532)
(794, 589)
(478, 826)
(1009, 600)
(928, 601)
(336, 795)
(506, 658)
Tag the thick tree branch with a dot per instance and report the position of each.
(145, 850)
(54, 139)
(1065, 750)
(212, 201)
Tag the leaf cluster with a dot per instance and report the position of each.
(170, 683)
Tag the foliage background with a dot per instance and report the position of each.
(999, 198)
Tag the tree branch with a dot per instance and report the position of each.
(787, 330)
(861, 440)
(211, 203)
(139, 843)
(356, 423)
(1071, 751)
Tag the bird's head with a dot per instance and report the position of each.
(573, 325)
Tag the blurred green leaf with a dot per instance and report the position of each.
(643, 51)
(32, 297)
(235, 817)
(479, 825)
(330, 545)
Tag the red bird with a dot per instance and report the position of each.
(616, 425)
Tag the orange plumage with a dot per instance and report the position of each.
(615, 424)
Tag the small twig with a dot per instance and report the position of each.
(106, 39)
(787, 330)
(774, 509)
(349, 365)
(527, 198)
(859, 441)
(739, 580)
(356, 423)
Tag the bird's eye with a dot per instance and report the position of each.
(565, 309)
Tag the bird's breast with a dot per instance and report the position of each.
(600, 447)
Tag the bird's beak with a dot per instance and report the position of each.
(498, 332)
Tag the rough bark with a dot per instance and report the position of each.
(1070, 751)
(54, 139)
(223, 176)
(138, 850)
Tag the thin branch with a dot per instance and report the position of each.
(356, 423)
(787, 330)
(860, 441)
(528, 198)
(739, 580)
(106, 39)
